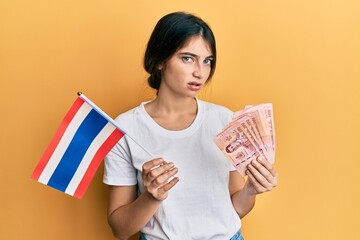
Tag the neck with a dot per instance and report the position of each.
(172, 113)
(175, 105)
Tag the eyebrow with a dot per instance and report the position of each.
(194, 55)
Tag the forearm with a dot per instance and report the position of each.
(243, 201)
(130, 219)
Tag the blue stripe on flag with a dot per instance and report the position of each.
(87, 131)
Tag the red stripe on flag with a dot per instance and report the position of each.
(56, 139)
(110, 142)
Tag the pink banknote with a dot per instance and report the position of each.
(250, 134)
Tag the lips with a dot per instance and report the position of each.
(194, 86)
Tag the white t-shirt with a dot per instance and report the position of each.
(199, 205)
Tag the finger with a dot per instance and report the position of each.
(266, 169)
(159, 188)
(157, 171)
(163, 178)
(170, 184)
(147, 167)
(257, 186)
(261, 175)
(164, 189)
(257, 178)
(151, 164)
(267, 165)
(162, 192)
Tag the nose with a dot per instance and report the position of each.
(198, 71)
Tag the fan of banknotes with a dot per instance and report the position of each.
(250, 134)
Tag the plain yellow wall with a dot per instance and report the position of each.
(301, 55)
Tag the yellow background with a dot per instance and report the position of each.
(303, 56)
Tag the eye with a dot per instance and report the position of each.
(208, 61)
(187, 59)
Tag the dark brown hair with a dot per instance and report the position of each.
(170, 34)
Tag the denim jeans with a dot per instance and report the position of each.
(237, 236)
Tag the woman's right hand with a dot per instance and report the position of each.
(156, 175)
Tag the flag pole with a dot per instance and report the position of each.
(102, 113)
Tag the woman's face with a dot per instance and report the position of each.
(187, 71)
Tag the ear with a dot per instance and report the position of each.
(159, 67)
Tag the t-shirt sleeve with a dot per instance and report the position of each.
(118, 168)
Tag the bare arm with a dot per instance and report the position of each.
(242, 202)
(262, 177)
(127, 213)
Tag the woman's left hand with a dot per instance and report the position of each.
(262, 177)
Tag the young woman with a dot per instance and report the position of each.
(186, 188)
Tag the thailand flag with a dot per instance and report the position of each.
(84, 137)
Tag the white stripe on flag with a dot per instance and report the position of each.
(89, 155)
(64, 142)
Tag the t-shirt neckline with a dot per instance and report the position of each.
(174, 133)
